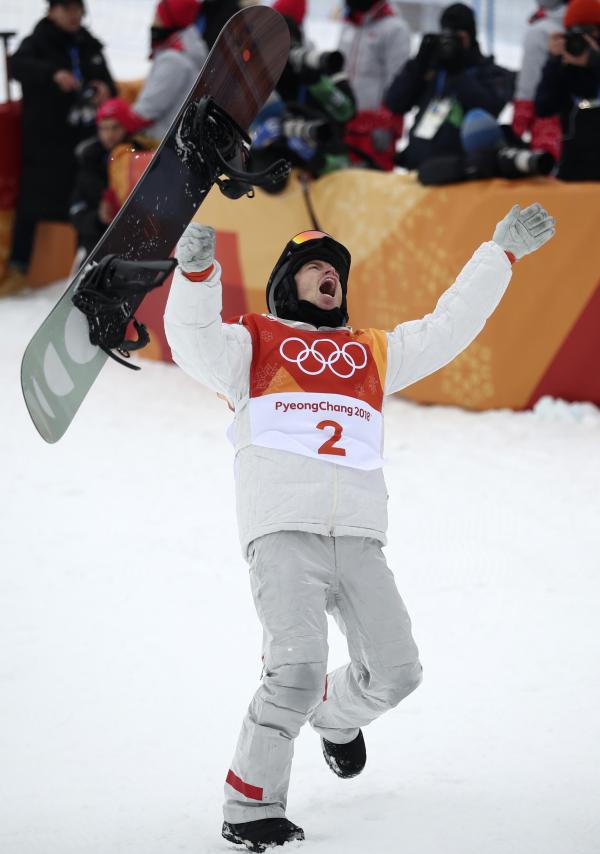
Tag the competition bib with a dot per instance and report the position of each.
(318, 393)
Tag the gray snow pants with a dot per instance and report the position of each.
(296, 579)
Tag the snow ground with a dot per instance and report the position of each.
(129, 647)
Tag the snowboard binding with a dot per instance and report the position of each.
(109, 294)
(218, 146)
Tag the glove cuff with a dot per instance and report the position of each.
(200, 277)
(512, 258)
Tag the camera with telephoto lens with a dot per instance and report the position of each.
(518, 162)
(83, 111)
(311, 131)
(310, 64)
(450, 46)
(443, 50)
(575, 41)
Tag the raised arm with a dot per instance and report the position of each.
(417, 348)
(216, 354)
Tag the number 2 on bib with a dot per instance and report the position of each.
(330, 446)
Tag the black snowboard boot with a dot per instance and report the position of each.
(263, 833)
(346, 760)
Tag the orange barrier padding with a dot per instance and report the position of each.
(125, 167)
(129, 89)
(409, 242)
(54, 247)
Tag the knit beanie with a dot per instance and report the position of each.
(52, 3)
(458, 16)
(294, 9)
(119, 110)
(178, 14)
(582, 12)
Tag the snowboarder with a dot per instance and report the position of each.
(307, 391)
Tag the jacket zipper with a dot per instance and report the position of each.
(335, 497)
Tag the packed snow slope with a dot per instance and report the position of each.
(129, 647)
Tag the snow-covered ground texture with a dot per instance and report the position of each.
(129, 647)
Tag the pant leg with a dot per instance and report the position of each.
(384, 661)
(22, 241)
(290, 574)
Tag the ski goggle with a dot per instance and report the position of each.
(301, 238)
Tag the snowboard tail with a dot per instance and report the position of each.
(60, 363)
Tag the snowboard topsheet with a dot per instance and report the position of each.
(60, 364)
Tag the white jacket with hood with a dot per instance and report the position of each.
(376, 50)
(278, 490)
(173, 72)
(535, 48)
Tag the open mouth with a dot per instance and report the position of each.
(328, 286)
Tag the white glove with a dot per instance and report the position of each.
(196, 248)
(524, 231)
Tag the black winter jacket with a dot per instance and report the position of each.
(49, 140)
(90, 183)
(214, 16)
(481, 83)
(562, 85)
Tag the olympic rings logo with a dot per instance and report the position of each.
(323, 353)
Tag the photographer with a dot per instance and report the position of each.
(570, 77)
(448, 77)
(305, 119)
(573, 70)
(64, 78)
(544, 132)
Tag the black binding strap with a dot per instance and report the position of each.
(109, 294)
(223, 147)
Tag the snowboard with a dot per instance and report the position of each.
(60, 363)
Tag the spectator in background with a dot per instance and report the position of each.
(376, 43)
(572, 75)
(93, 206)
(294, 9)
(448, 77)
(572, 71)
(215, 14)
(178, 52)
(545, 132)
(64, 78)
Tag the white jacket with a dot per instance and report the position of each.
(172, 74)
(278, 490)
(535, 52)
(375, 52)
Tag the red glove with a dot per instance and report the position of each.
(523, 116)
(547, 135)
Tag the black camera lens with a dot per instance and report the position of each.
(575, 42)
(305, 61)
